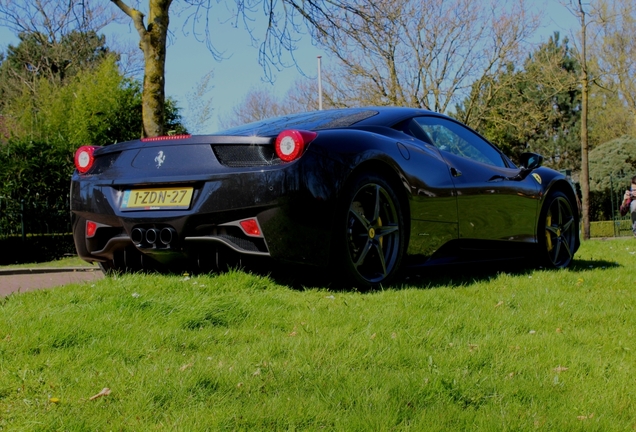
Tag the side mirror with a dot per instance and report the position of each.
(530, 161)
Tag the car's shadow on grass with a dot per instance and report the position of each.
(452, 275)
(589, 265)
(464, 274)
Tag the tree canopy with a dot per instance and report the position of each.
(615, 158)
(533, 108)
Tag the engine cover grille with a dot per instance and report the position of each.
(238, 156)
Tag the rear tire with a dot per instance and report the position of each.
(369, 232)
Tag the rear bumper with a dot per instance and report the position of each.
(294, 211)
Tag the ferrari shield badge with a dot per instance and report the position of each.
(162, 157)
(537, 177)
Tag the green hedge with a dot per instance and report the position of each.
(606, 228)
(40, 248)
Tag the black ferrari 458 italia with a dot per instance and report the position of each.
(363, 191)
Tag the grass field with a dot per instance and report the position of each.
(450, 349)
(62, 262)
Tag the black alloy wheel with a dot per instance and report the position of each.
(374, 232)
(559, 231)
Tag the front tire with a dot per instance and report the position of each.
(370, 233)
(557, 231)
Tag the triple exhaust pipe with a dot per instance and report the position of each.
(153, 237)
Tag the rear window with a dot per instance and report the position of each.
(314, 120)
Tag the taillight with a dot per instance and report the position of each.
(251, 227)
(291, 143)
(91, 229)
(84, 158)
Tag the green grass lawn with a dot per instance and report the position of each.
(62, 262)
(496, 350)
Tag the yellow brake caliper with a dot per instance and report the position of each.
(548, 239)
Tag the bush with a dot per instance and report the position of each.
(40, 248)
(606, 228)
(612, 165)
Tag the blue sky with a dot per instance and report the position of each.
(188, 61)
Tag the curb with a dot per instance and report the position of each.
(42, 270)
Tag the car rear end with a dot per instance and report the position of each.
(169, 198)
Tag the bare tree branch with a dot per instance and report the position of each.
(54, 18)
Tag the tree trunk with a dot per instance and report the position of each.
(585, 167)
(152, 42)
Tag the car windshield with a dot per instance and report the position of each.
(314, 120)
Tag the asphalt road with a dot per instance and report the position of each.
(22, 280)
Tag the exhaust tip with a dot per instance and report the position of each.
(138, 235)
(152, 235)
(167, 236)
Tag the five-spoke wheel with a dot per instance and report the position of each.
(373, 237)
(560, 228)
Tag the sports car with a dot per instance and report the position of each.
(363, 192)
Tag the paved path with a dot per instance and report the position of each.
(21, 280)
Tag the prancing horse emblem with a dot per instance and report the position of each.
(160, 158)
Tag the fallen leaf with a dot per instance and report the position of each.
(292, 334)
(558, 330)
(105, 392)
(499, 304)
(393, 335)
(54, 400)
(560, 369)
(257, 372)
(373, 336)
(185, 366)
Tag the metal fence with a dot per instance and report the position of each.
(618, 185)
(22, 218)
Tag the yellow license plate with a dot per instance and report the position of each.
(157, 199)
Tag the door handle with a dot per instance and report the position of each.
(455, 172)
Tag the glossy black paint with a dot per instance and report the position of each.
(455, 207)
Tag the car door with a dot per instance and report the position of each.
(491, 203)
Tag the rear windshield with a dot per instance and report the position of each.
(314, 120)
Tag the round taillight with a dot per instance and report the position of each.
(84, 158)
(291, 143)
